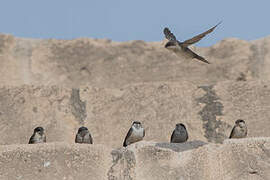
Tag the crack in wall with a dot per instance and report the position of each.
(214, 129)
(78, 107)
(124, 161)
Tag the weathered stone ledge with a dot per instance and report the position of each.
(234, 159)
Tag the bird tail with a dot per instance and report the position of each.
(201, 58)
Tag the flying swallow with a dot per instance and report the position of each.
(181, 48)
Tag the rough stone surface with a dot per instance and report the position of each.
(103, 63)
(209, 112)
(195, 160)
(54, 161)
(103, 85)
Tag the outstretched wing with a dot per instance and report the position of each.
(127, 136)
(168, 34)
(198, 37)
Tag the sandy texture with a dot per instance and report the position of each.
(102, 63)
(209, 112)
(235, 159)
(54, 161)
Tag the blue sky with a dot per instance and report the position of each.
(123, 20)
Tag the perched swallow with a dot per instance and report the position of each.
(135, 134)
(83, 136)
(181, 48)
(239, 130)
(38, 136)
(179, 134)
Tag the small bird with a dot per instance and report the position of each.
(38, 136)
(83, 136)
(239, 130)
(179, 134)
(181, 48)
(136, 133)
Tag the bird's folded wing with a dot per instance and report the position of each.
(198, 37)
(127, 136)
(31, 140)
(232, 133)
(90, 139)
(172, 135)
(77, 138)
